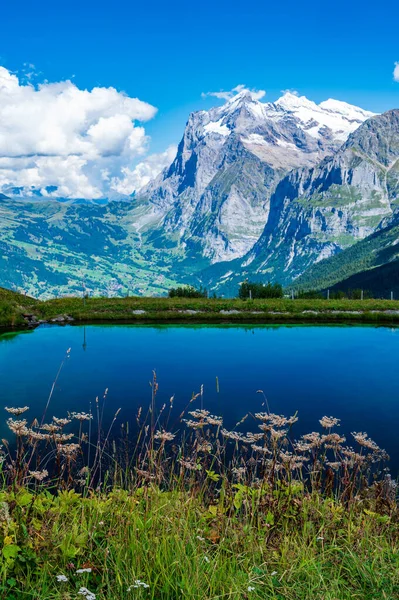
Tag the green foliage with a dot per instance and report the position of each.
(179, 548)
(256, 290)
(201, 310)
(187, 291)
(309, 295)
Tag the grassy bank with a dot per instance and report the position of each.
(200, 310)
(187, 509)
(181, 548)
(13, 306)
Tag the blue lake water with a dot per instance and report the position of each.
(350, 372)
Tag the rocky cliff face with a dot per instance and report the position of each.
(214, 199)
(316, 212)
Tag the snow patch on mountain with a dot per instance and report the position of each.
(214, 197)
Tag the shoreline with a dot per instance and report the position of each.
(21, 313)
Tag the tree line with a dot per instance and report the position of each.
(251, 290)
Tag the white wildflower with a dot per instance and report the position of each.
(87, 593)
(138, 584)
(62, 578)
(39, 475)
(79, 571)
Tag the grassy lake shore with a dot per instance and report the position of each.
(17, 310)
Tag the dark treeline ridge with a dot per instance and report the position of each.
(260, 290)
(187, 291)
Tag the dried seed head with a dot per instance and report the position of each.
(16, 411)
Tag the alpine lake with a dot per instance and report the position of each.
(349, 372)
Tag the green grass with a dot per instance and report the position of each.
(199, 310)
(180, 548)
(13, 306)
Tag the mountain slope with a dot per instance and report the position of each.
(380, 281)
(50, 248)
(317, 212)
(379, 249)
(210, 205)
(214, 198)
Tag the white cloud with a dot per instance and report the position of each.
(141, 175)
(396, 72)
(55, 134)
(222, 95)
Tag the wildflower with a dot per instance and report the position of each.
(164, 436)
(206, 559)
(199, 414)
(18, 427)
(251, 438)
(61, 422)
(291, 461)
(194, 424)
(201, 539)
(50, 427)
(276, 434)
(35, 435)
(260, 449)
(80, 571)
(239, 472)
(190, 465)
(68, 449)
(276, 420)
(329, 422)
(320, 538)
(333, 465)
(212, 420)
(364, 440)
(138, 584)
(86, 593)
(81, 416)
(303, 446)
(62, 578)
(39, 475)
(250, 588)
(333, 440)
(62, 437)
(203, 446)
(16, 411)
(145, 474)
(231, 435)
(313, 439)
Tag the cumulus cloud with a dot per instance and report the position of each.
(396, 72)
(222, 95)
(80, 141)
(141, 175)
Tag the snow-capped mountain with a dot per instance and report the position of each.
(317, 212)
(214, 197)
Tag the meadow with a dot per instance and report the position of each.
(18, 310)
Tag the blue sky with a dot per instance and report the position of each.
(168, 53)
